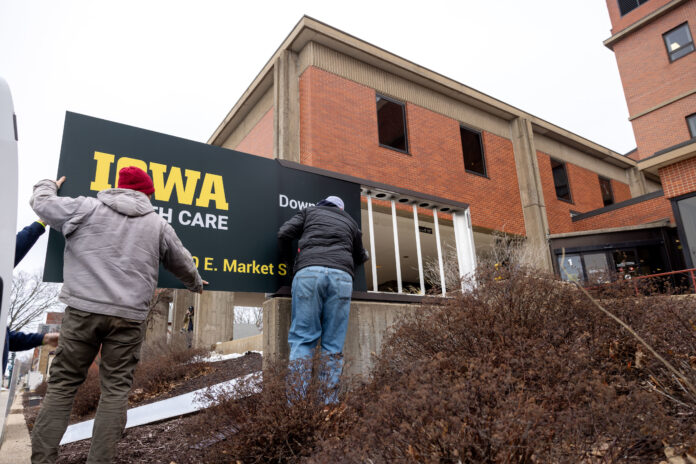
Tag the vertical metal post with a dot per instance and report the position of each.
(464, 240)
(439, 252)
(396, 247)
(418, 249)
(373, 258)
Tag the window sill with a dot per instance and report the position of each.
(485, 176)
(405, 152)
(672, 60)
(570, 202)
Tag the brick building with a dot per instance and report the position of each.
(424, 144)
(654, 48)
(43, 355)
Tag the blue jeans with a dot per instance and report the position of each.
(320, 309)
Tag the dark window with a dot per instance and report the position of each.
(560, 180)
(691, 122)
(629, 5)
(391, 123)
(472, 148)
(678, 42)
(607, 192)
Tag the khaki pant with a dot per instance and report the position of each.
(82, 335)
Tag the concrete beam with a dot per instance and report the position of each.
(286, 101)
(182, 300)
(531, 192)
(158, 318)
(213, 321)
(367, 326)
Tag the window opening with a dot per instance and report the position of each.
(691, 122)
(626, 6)
(391, 124)
(472, 149)
(560, 180)
(607, 191)
(678, 42)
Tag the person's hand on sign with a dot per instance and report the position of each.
(59, 182)
(205, 282)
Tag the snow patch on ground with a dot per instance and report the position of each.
(215, 357)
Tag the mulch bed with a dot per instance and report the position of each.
(163, 442)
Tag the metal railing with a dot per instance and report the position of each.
(463, 234)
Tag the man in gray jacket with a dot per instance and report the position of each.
(113, 246)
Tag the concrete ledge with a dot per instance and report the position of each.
(241, 345)
(367, 325)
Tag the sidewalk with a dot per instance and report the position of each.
(16, 449)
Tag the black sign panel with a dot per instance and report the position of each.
(226, 206)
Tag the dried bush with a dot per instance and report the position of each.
(41, 389)
(523, 368)
(87, 397)
(281, 423)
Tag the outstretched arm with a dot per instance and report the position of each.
(177, 259)
(26, 238)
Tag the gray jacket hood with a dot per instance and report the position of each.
(126, 201)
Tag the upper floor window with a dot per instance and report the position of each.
(560, 180)
(691, 122)
(607, 192)
(626, 6)
(391, 124)
(678, 42)
(472, 148)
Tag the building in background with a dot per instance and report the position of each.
(653, 41)
(43, 355)
(330, 102)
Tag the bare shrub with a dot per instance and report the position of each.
(87, 397)
(523, 368)
(281, 423)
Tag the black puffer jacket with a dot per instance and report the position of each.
(328, 236)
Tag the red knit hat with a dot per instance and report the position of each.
(134, 178)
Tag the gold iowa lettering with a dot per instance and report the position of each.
(166, 179)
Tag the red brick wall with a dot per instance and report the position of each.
(259, 141)
(622, 192)
(639, 213)
(338, 132)
(619, 22)
(650, 79)
(665, 127)
(679, 178)
(584, 190)
(54, 318)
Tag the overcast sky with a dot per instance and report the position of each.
(179, 67)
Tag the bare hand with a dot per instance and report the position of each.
(205, 282)
(59, 182)
(51, 339)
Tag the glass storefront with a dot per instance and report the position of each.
(687, 213)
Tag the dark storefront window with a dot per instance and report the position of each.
(391, 124)
(607, 191)
(571, 268)
(472, 149)
(560, 180)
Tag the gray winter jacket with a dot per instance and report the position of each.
(114, 244)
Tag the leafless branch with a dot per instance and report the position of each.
(30, 298)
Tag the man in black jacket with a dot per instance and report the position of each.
(330, 248)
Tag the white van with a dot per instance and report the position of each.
(8, 211)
